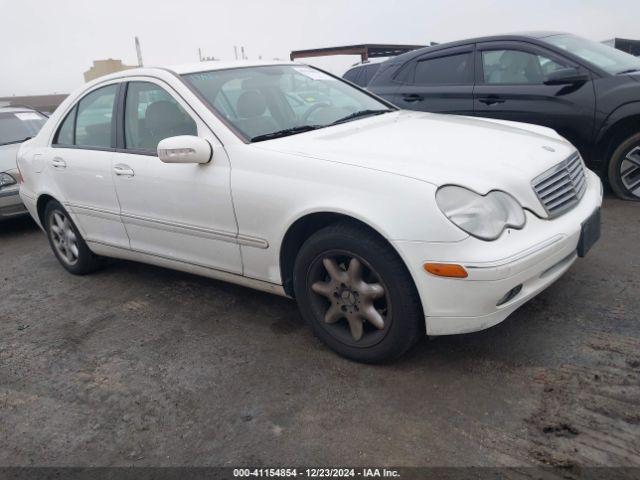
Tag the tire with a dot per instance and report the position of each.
(335, 305)
(72, 253)
(626, 186)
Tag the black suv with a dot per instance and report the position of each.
(586, 91)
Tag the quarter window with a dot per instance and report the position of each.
(516, 67)
(151, 115)
(93, 122)
(454, 69)
(65, 133)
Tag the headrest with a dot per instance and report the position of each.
(251, 104)
(162, 115)
(515, 60)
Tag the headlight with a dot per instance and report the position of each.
(6, 180)
(483, 216)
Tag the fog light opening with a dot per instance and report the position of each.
(510, 295)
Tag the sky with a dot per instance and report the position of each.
(46, 45)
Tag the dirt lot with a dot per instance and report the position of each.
(137, 365)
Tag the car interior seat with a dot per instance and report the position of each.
(517, 67)
(164, 119)
(251, 109)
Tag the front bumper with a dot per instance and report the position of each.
(10, 203)
(523, 262)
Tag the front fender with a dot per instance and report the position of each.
(272, 190)
(621, 113)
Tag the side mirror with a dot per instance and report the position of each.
(566, 76)
(185, 149)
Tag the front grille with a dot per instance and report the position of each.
(562, 186)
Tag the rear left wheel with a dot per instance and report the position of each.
(66, 242)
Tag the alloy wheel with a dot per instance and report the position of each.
(630, 171)
(350, 298)
(64, 238)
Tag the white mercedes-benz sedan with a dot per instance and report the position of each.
(384, 225)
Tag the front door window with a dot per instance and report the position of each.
(151, 115)
(516, 67)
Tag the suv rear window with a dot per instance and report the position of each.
(352, 75)
(362, 74)
(368, 72)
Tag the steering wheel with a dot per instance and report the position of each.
(313, 108)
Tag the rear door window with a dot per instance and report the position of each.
(93, 121)
(450, 70)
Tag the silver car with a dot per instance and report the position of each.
(17, 124)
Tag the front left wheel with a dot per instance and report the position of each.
(66, 242)
(357, 294)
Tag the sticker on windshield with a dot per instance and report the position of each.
(25, 116)
(314, 74)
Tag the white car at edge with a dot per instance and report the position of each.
(384, 225)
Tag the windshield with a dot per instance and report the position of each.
(607, 58)
(270, 101)
(15, 127)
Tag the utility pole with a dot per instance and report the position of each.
(235, 51)
(139, 53)
(244, 57)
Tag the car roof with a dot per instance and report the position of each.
(535, 35)
(504, 36)
(192, 68)
(373, 61)
(183, 69)
(219, 65)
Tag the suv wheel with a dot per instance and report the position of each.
(357, 295)
(624, 169)
(66, 242)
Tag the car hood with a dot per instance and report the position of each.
(481, 154)
(8, 154)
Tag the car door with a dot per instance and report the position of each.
(80, 165)
(440, 81)
(181, 212)
(510, 86)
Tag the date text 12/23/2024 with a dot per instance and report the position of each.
(316, 472)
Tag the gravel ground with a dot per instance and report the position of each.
(137, 365)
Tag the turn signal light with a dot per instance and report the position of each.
(446, 270)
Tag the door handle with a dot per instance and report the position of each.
(492, 100)
(412, 97)
(58, 162)
(123, 170)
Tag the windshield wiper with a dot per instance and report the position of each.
(631, 70)
(286, 132)
(306, 128)
(361, 113)
(16, 141)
